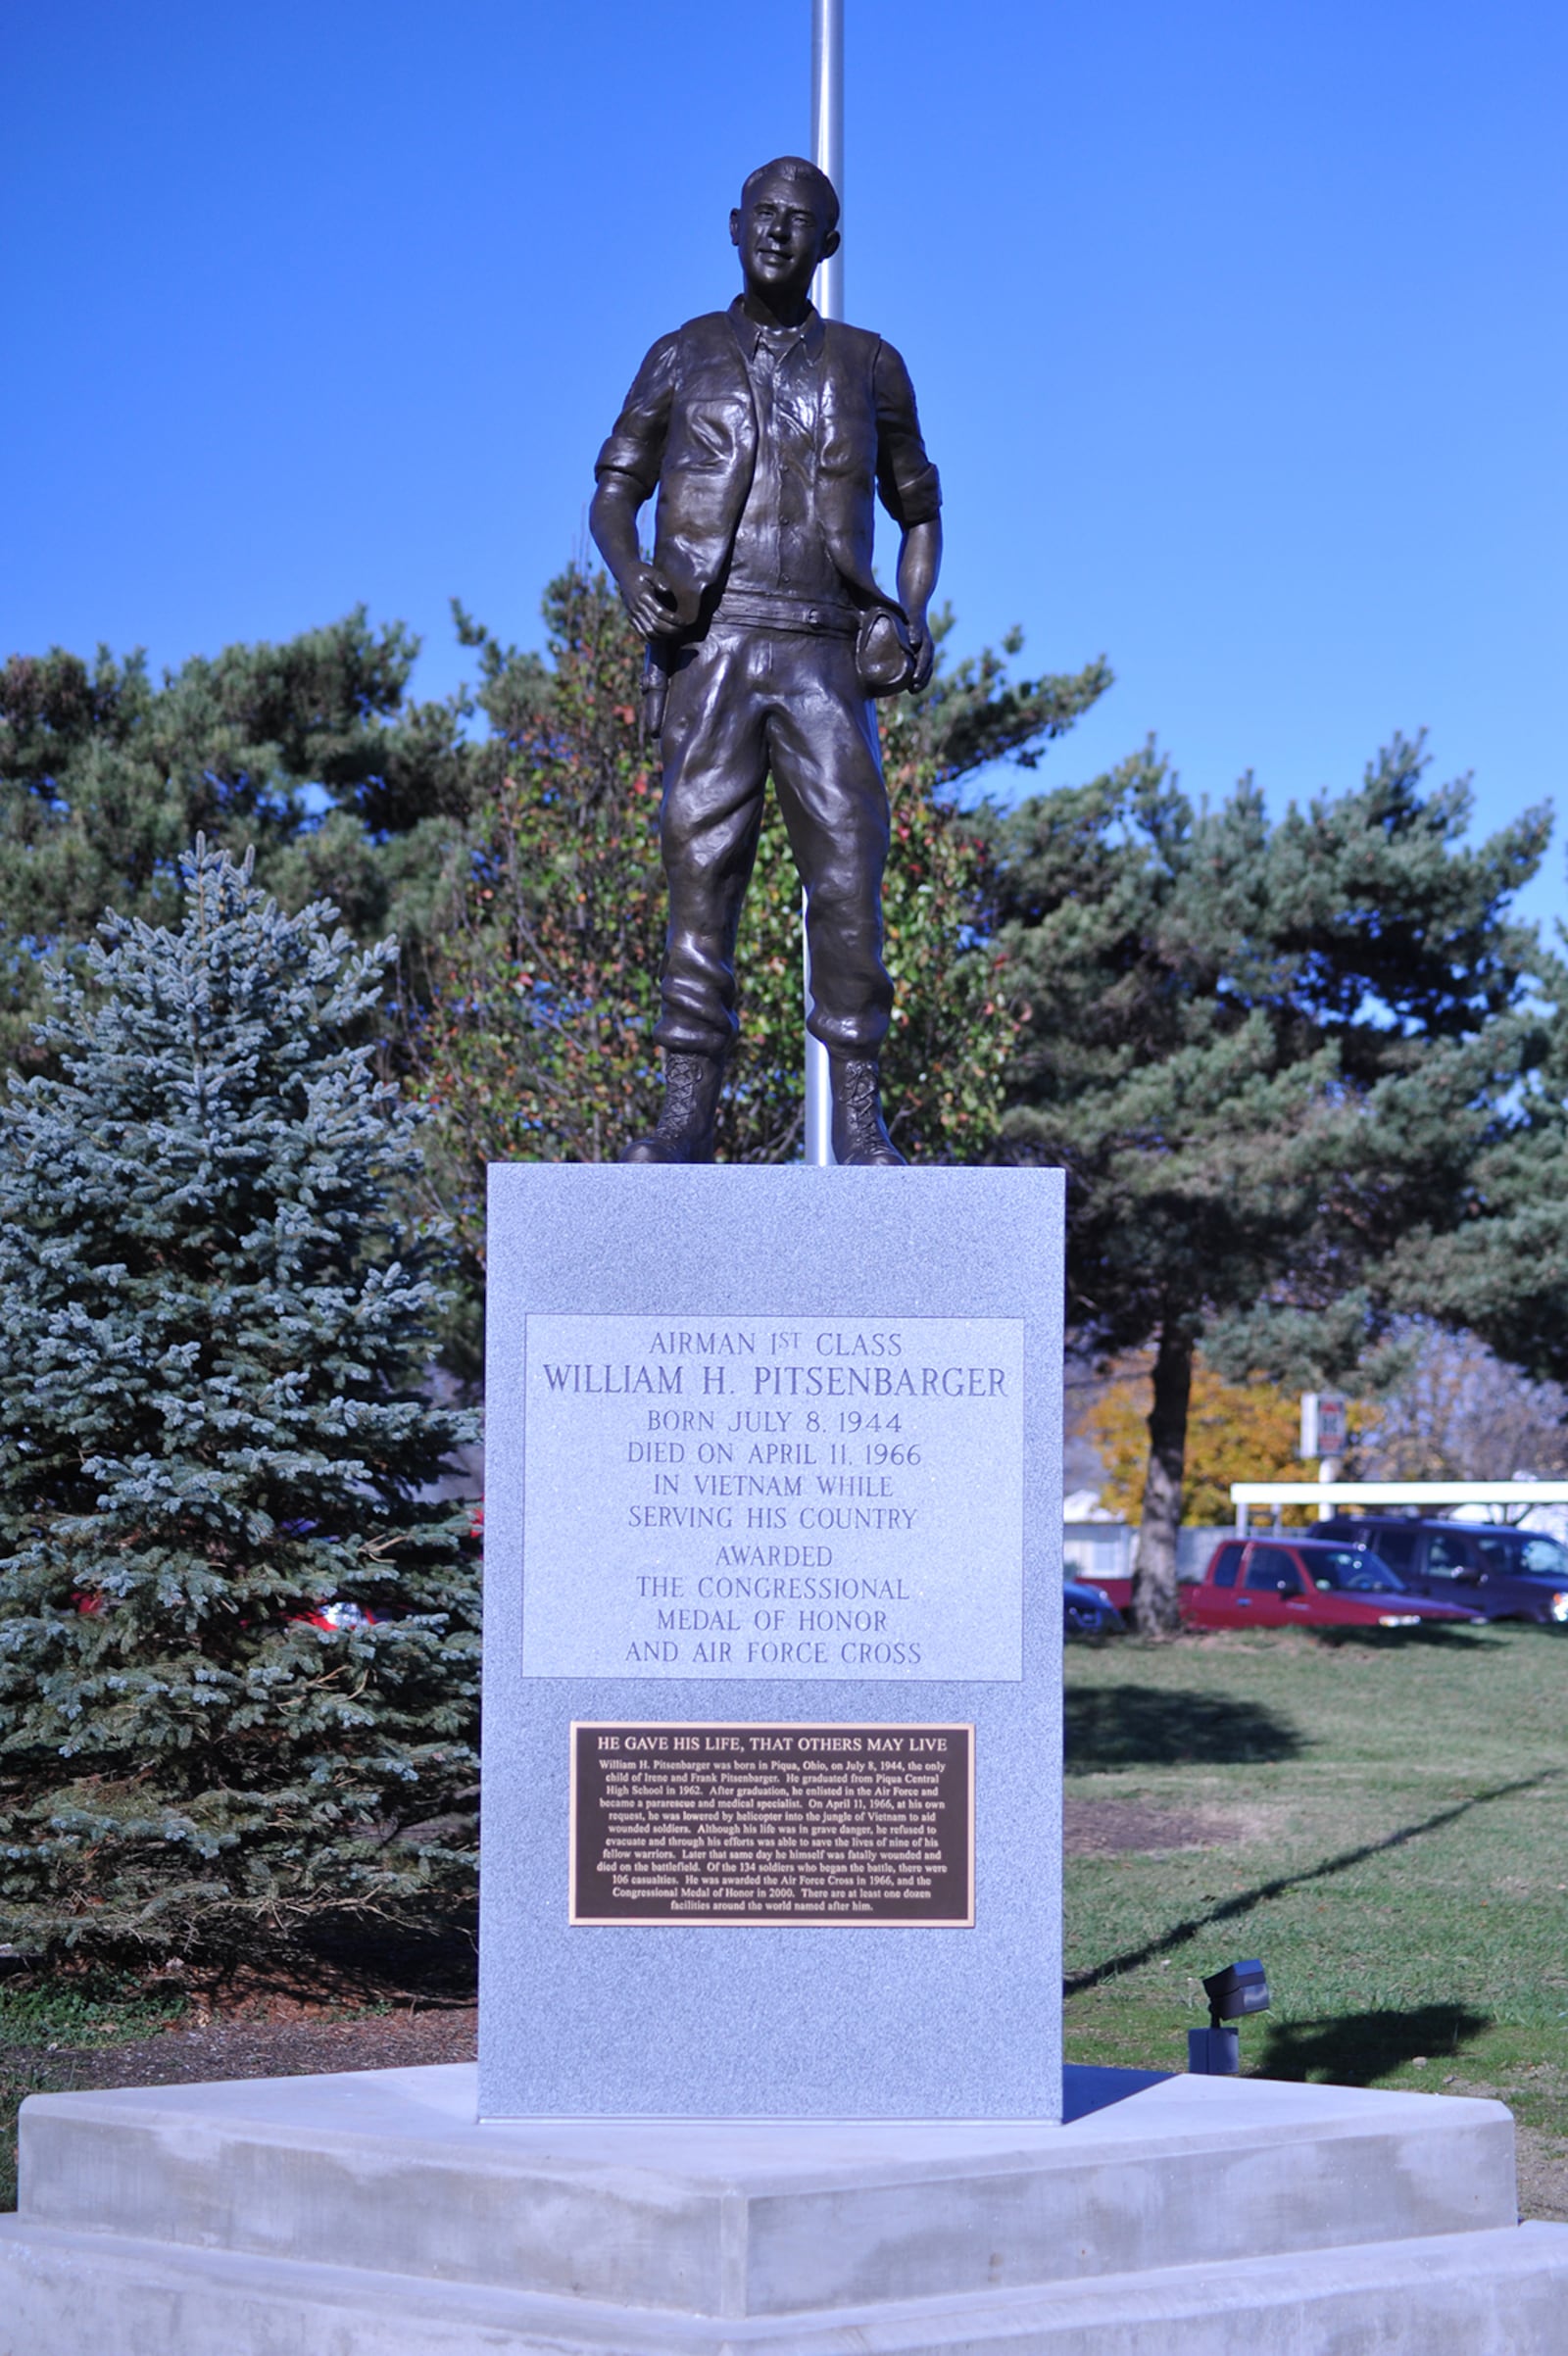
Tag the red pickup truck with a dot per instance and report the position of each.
(1291, 1582)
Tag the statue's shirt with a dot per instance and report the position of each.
(768, 450)
(779, 549)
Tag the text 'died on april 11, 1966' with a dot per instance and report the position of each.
(774, 1497)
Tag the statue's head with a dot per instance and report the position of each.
(785, 224)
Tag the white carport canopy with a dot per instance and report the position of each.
(1331, 1496)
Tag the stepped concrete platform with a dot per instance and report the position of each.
(371, 2215)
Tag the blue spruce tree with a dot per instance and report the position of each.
(211, 1429)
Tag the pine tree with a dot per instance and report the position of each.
(312, 750)
(209, 1429)
(1278, 1062)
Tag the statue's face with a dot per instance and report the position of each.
(782, 235)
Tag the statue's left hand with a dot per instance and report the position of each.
(648, 599)
(925, 655)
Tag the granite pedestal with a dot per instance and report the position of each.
(372, 2216)
(772, 1457)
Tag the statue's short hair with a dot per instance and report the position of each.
(796, 167)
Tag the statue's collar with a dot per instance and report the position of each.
(812, 332)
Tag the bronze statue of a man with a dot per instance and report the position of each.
(766, 433)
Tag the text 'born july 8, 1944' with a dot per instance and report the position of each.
(774, 1497)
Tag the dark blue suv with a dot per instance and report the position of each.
(1504, 1574)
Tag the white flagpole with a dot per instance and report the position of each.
(827, 134)
(827, 293)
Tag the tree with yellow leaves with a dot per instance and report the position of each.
(1234, 1432)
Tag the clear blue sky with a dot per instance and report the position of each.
(1239, 332)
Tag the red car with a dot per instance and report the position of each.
(1306, 1583)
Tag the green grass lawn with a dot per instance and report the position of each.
(1400, 1865)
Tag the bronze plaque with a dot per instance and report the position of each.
(819, 1826)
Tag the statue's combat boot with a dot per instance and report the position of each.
(684, 1130)
(861, 1137)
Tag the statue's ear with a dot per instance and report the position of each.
(830, 245)
(735, 225)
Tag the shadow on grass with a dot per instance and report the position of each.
(1470, 1636)
(1246, 1900)
(1357, 2048)
(1140, 1726)
(343, 1962)
(353, 1962)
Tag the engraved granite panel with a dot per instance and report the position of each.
(771, 1448)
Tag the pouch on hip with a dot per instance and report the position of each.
(884, 656)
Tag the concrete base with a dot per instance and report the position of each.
(368, 2215)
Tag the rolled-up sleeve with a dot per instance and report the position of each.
(636, 443)
(906, 482)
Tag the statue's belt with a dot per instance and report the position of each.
(814, 618)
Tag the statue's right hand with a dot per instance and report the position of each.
(650, 601)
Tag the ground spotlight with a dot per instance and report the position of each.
(1239, 1989)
